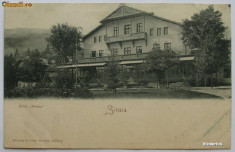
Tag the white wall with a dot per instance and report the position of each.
(174, 36)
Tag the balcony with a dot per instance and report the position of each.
(108, 58)
(123, 38)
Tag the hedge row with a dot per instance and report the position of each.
(34, 92)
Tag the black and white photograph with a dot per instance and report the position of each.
(157, 75)
(126, 53)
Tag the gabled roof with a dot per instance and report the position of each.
(124, 11)
(167, 20)
(92, 31)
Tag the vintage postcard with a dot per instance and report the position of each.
(117, 76)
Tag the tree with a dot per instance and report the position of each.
(35, 53)
(112, 74)
(17, 54)
(28, 52)
(140, 74)
(64, 79)
(10, 72)
(86, 76)
(48, 54)
(31, 70)
(124, 76)
(63, 40)
(205, 31)
(159, 62)
(47, 80)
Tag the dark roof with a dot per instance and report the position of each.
(126, 12)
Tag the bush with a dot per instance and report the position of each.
(143, 83)
(63, 79)
(33, 92)
(178, 86)
(24, 92)
(82, 92)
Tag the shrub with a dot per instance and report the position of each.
(82, 92)
(143, 83)
(178, 86)
(33, 92)
(63, 79)
(22, 92)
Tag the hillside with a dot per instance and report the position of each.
(24, 38)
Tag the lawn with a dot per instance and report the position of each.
(152, 93)
(121, 93)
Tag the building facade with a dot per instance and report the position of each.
(128, 31)
(130, 34)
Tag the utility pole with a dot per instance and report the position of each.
(76, 55)
(76, 80)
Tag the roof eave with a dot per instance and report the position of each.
(167, 20)
(92, 31)
(126, 16)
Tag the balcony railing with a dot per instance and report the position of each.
(129, 37)
(117, 57)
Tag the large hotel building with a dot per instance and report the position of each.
(130, 34)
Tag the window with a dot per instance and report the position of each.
(156, 46)
(100, 38)
(93, 54)
(158, 31)
(104, 38)
(151, 32)
(101, 53)
(139, 28)
(95, 40)
(167, 46)
(127, 29)
(139, 49)
(115, 31)
(114, 51)
(127, 50)
(165, 30)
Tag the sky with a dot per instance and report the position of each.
(88, 15)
